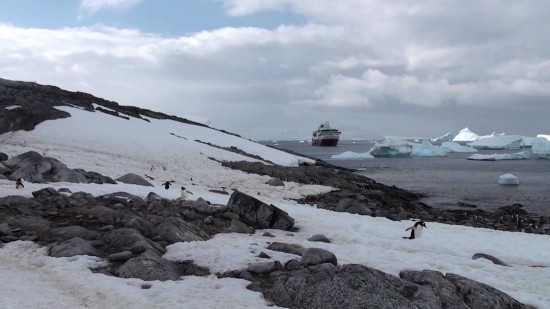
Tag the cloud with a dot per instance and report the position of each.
(396, 68)
(95, 5)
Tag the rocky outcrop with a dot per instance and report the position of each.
(3, 157)
(33, 167)
(134, 179)
(258, 214)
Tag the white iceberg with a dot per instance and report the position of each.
(447, 137)
(544, 136)
(508, 180)
(498, 142)
(527, 141)
(391, 147)
(504, 156)
(541, 148)
(465, 135)
(352, 155)
(456, 147)
(426, 149)
(490, 135)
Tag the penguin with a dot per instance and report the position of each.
(19, 183)
(416, 230)
(184, 193)
(166, 185)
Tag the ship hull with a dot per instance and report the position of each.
(324, 142)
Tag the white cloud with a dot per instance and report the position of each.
(96, 5)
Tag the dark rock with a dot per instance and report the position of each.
(75, 246)
(4, 229)
(293, 265)
(149, 266)
(257, 213)
(32, 224)
(3, 157)
(45, 192)
(65, 233)
(239, 227)
(209, 220)
(120, 257)
(26, 119)
(127, 239)
(189, 214)
(246, 276)
(384, 214)
(134, 179)
(263, 255)
(268, 234)
(276, 182)
(17, 200)
(489, 257)
(230, 215)
(177, 230)
(287, 248)
(353, 207)
(319, 238)
(315, 256)
(262, 268)
(203, 207)
(64, 190)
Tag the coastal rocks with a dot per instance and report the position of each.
(134, 179)
(258, 214)
(35, 168)
(72, 247)
(4, 229)
(287, 248)
(353, 207)
(149, 266)
(3, 157)
(319, 238)
(316, 256)
(357, 286)
(276, 182)
(26, 119)
(239, 227)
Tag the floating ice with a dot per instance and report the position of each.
(527, 141)
(465, 135)
(391, 147)
(490, 135)
(447, 137)
(544, 136)
(455, 147)
(541, 148)
(352, 155)
(498, 142)
(426, 149)
(508, 180)
(505, 156)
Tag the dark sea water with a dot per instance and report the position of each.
(448, 180)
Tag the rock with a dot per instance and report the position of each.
(353, 207)
(26, 119)
(120, 257)
(315, 256)
(203, 207)
(246, 276)
(287, 248)
(155, 202)
(45, 192)
(268, 234)
(134, 179)
(4, 229)
(68, 175)
(149, 266)
(384, 214)
(127, 239)
(263, 255)
(262, 268)
(491, 258)
(258, 214)
(189, 214)
(276, 182)
(239, 227)
(64, 190)
(65, 233)
(2, 176)
(319, 238)
(230, 215)
(209, 220)
(32, 224)
(75, 246)
(293, 265)
(17, 201)
(3, 157)
(175, 230)
(82, 196)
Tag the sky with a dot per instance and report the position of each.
(276, 69)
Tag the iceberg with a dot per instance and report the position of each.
(498, 142)
(544, 136)
(490, 135)
(528, 141)
(541, 148)
(456, 147)
(505, 156)
(391, 147)
(426, 149)
(446, 137)
(465, 135)
(352, 155)
(508, 180)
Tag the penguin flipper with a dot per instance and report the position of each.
(410, 228)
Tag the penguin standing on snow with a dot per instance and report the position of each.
(167, 185)
(19, 183)
(416, 230)
(184, 193)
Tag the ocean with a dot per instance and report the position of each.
(446, 181)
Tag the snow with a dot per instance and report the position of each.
(527, 141)
(508, 180)
(504, 156)
(465, 135)
(447, 137)
(456, 147)
(426, 149)
(498, 142)
(31, 279)
(541, 148)
(12, 107)
(490, 135)
(352, 155)
(391, 147)
(544, 136)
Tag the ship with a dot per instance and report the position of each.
(325, 135)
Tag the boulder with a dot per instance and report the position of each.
(3, 157)
(75, 246)
(353, 207)
(315, 256)
(203, 207)
(276, 182)
(258, 214)
(175, 230)
(127, 239)
(68, 175)
(239, 227)
(134, 179)
(45, 192)
(286, 248)
(120, 257)
(262, 268)
(319, 238)
(69, 232)
(32, 224)
(4, 229)
(149, 266)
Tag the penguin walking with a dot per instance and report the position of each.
(167, 185)
(184, 193)
(416, 230)
(19, 183)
